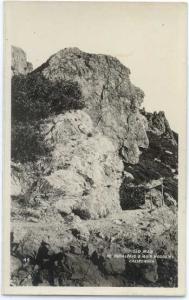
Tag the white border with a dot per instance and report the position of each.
(98, 291)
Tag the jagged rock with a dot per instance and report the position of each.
(19, 64)
(111, 99)
(156, 162)
(85, 169)
(158, 124)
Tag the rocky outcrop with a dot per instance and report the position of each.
(85, 169)
(159, 161)
(159, 125)
(19, 63)
(88, 148)
(88, 198)
(110, 98)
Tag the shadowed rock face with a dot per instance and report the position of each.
(19, 64)
(160, 160)
(111, 99)
(158, 125)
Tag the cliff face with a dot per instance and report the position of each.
(19, 63)
(85, 166)
(75, 194)
(85, 170)
(111, 100)
(95, 152)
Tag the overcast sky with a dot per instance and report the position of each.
(149, 39)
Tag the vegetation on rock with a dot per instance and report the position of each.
(33, 99)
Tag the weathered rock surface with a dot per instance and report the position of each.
(158, 124)
(111, 100)
(19, 63)
(159, 160)
(86, 171)
(22, 179)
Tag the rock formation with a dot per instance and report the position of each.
(19, 63)
(86, 170)
(111, 99)
(158, 124)
(84, 193)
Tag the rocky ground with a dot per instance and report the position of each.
(109, 239)
(83, 210)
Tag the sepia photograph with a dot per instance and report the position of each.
(94, 154)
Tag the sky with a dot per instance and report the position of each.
(150, 39)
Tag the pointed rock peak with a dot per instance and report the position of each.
(19, 63)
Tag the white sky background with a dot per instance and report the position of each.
(150, 39)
